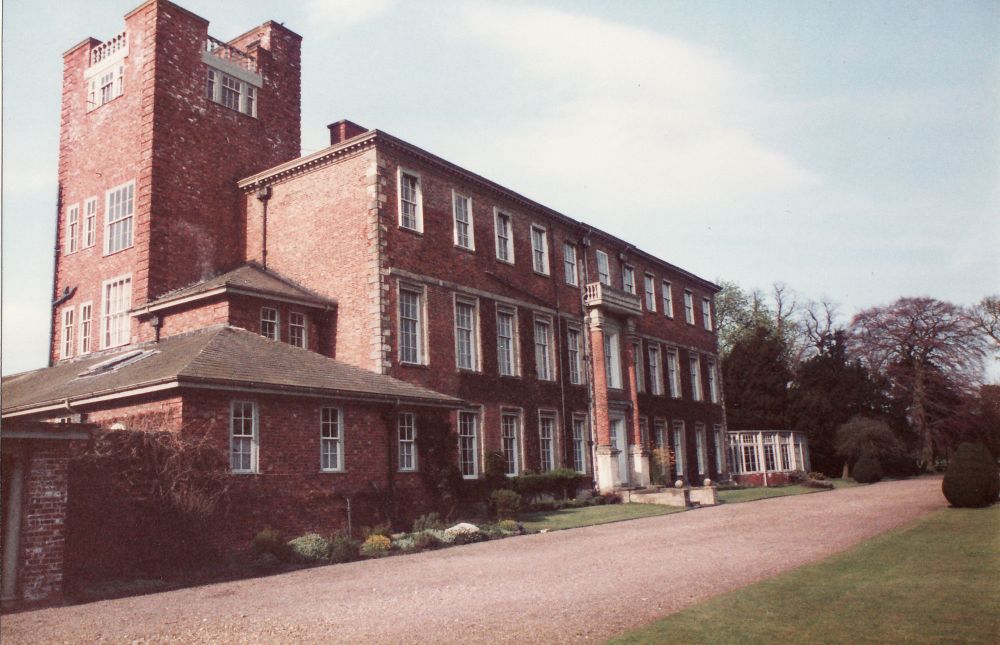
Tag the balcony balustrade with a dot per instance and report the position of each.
(598, 294)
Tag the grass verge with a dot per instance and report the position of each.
(571, 518)
(933, 581)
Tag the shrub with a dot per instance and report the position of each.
(441, 537)
(612, 498)
(428, 521)
(509, 526)
(796, 477)
(971, 480)
(310, 547)
(405, 543)
(867, 470)
(425, 540)
(813, 483)
(464, 533)
(343, 548)
(505, 504)
(816, 475)
(543, 505)
(384, 530)
(861, 435)
(376, 545)
(271, 542)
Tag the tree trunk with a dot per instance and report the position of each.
(920, 415)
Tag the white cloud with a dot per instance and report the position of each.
(346, 13)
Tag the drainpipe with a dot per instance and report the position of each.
(55, 285)
(558, 351)
(264, 195)
(12, 535)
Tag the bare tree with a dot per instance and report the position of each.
(915, 341)
(986, 316)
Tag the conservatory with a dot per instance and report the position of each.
(764, 457)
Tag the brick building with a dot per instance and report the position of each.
(303, 309)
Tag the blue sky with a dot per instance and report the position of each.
(848, 149)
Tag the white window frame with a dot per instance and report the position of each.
(331, 439)
(418, 201)
(673, 363)
(613, 358)
(628, 279)
(713, 381)
(701, 448)
(86, 327)
(90, 222)
(550, 418)
(468, 444)
(302, 326)
(217, 81)
(680, 443)
(545, 364)
(510, 446)
(706, 313)
(275, 323)
(110, 75)
(640, 373)
(513, 360)
(649, 286)
(126, 221)
(580, 443)
(470, 233)
(540, 249)
(504, 250)
(68, 327)
(406, 436)
(570, 271)
(116, 325)
(694, 365)
(719, 448)
(688, 307)
(655, 369)
(668, 298)
(420, 322)
(574, 355)
(72, 229)
(473, 332)
(254, 437)
(603, 268)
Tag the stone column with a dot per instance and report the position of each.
(638, 451)
(606, 465)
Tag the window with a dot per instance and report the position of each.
(569, 264)
(90, 222)
(668, 299)
(628, 279)
(510, 423)
(105, 85)
(655, 373)
(612, 359)
(770, 455)
(269, 325)
(706, 313)
(700, 448)
(673, 374)
(468, 442)
(462, 209)
(579, 444)
(695, 377)
(546, 441)
(73, 229)
(713, 386)
(543, 350)
(688, 307)
(506, 342)
(410, 215)
(234, 93)
(117, 300)
(719, 455)
(640, 376)
(650, 285)
(410, 326)
(407, 441)
(679, 448)
(120, 208)
(574, 350)
(505, 251)
(297, 329)
(603, 268)
(243, 437)
(86, 313)
(67, 331)
(466, 336)
(539, 250)
(331, 440)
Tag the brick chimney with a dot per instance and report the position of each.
(343, 130)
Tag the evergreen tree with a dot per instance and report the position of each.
(756, 378)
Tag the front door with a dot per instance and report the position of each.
(618, 443)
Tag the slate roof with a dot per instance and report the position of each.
(220, 356)
(252, 278)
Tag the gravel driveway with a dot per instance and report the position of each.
(567, 586)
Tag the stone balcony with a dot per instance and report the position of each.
(600, 295)
(106, 50)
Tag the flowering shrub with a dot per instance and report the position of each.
(310, 547)
(510, 526)
(464, 533)
(376, 546)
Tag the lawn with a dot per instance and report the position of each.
(762, 492)
(571, 518)
(933, 581)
